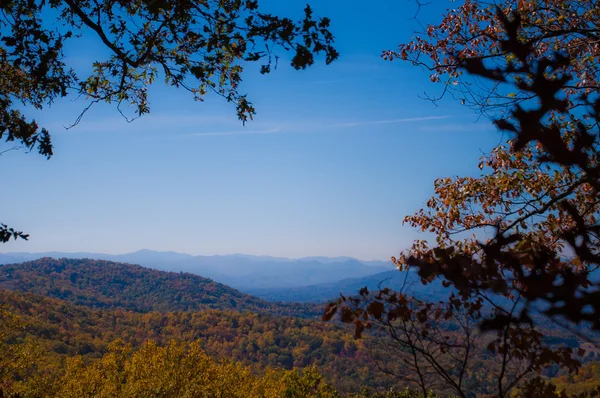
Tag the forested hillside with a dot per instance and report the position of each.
(79, 307)
(82, 308)
(257, 340)
(105, 284)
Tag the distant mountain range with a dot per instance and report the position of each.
(243, 272)
(327, 291)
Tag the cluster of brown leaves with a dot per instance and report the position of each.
(476, 31)
(523, 238)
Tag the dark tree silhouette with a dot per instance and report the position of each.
(532, 67)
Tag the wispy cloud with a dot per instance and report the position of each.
(235, 132)
(314, 127)
(392, 121)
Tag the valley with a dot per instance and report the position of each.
(79, 308)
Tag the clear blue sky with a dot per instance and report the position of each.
(335, 158)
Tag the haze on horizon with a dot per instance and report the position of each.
(334, 160)
(233, 254)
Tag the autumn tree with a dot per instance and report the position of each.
(541, 60)
(181, 370)
(518, 245)
(16, 360)
(458, 346)
(200, 46)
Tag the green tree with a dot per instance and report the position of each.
(199, 46)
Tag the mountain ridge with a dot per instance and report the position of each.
(108, 284)
(325, 292)
(243, 272)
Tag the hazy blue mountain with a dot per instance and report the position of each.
(350, 286)
(243, 272)
(329, 260)
(298, 273)
(379, 264)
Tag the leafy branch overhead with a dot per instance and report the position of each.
(541, 197)
(7, 234)
(200, 46)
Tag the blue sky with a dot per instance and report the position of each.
(335, 158)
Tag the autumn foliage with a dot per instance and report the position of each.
(517, 246)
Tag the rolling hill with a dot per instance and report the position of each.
(243, 272)
(106, 284)
(63, 329)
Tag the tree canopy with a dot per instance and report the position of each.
(521, 240)
(541, 195)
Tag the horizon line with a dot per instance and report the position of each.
(197, 255)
